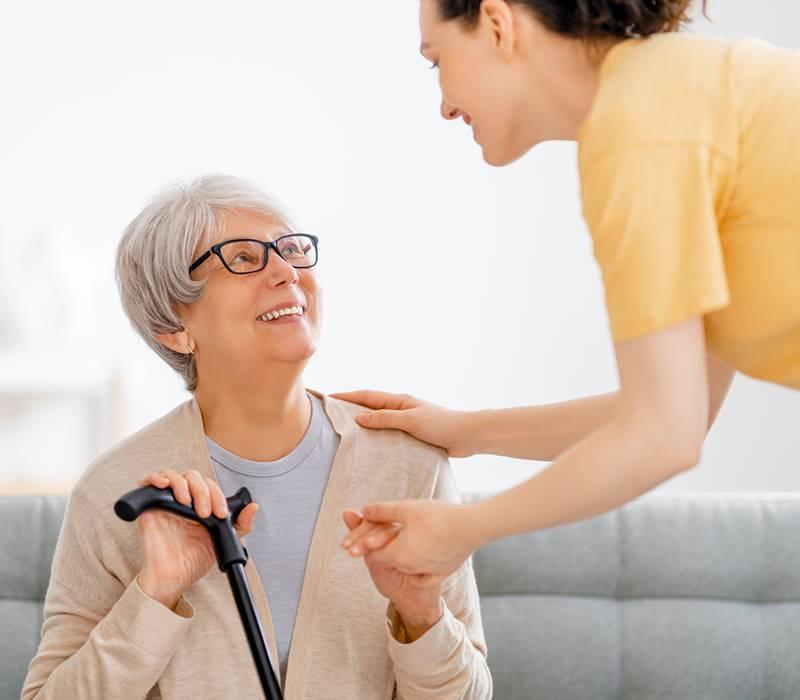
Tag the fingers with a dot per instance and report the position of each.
(358, 531)
(247, 519)
(154, 479)
(377, 535)
(179, 486)
(352, 519)
(219, 504)
(389, 512)
(200, 493)
(191, 488)
(385, 420)
(380, 537)
(378, 399)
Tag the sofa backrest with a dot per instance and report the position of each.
(28, 532)
(679, 598)
(670, 598)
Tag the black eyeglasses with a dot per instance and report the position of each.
(242, 256)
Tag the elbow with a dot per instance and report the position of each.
(680, 453)
(672, 452)
(29, 693)
(686, 459)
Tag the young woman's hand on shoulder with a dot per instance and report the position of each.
(428, 422)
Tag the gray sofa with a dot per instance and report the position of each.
(691, 598)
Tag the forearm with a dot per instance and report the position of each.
(123, 655)
(611, 467)
(544, 432)
(537, 432)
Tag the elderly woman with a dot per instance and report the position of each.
(218, 283)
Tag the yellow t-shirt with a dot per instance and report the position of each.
(690, 178)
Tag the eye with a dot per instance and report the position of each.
(434, 66)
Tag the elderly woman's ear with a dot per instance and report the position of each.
(179, 341)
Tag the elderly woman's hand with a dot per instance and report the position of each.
(176, 551)
(416, 598)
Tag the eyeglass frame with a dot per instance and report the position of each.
(215, 250)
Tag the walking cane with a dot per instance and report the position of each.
(231, 557)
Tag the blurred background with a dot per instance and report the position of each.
(467, 285)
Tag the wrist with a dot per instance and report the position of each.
(168, 598)
(482, 524)
(469, 441)
(416, 621)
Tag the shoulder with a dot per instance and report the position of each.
(666, 88)
(158, 445)
(93, 541)
(412, 467)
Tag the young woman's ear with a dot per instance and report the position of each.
(497, 16)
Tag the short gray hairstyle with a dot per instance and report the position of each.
(154, 255)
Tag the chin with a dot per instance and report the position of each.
(297, 353)
(498, 157)
(496, 160)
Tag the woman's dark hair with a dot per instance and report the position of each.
(590, 19)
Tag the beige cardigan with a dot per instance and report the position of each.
(104, 638)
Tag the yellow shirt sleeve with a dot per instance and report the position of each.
(652, 214)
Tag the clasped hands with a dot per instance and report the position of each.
(410, 547)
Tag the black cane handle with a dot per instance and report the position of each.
(228, 547)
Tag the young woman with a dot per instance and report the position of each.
(689, 157)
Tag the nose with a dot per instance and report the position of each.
(279, 273)
(448, 111)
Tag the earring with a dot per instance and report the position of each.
(192, 347)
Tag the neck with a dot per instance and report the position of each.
(261, 420)
(576, 96)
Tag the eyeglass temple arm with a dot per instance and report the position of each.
(205, 256)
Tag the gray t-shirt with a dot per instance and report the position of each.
(289, 493)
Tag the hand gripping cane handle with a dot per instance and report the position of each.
(227, 545)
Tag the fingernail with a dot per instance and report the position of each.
(355, 551)
(365, 417)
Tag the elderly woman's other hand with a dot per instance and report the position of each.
(177, 552)
(416, 598)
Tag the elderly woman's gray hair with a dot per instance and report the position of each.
(158, 246)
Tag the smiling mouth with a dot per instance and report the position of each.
(281, 313)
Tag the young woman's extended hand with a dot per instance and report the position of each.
(428, 537)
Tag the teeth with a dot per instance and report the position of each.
(289, 311)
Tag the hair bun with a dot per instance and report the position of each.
(590, 19)
(626, 18)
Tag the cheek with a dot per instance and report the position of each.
(501, 112)
(471, 87)
(313, 294)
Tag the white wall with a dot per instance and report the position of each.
(330, 107)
